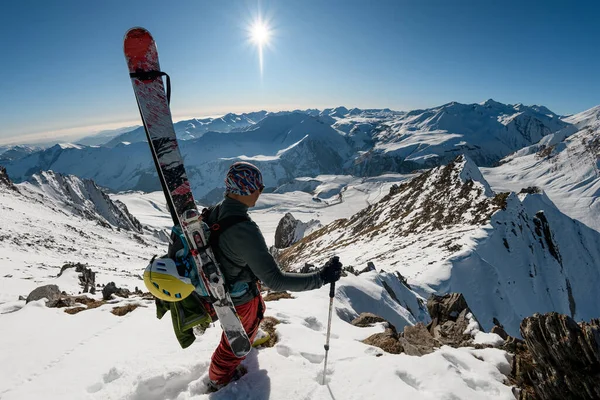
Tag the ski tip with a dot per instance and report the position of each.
(140, 50)
(137, 32)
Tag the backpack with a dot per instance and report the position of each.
(180, 252)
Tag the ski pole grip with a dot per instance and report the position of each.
(332, 290)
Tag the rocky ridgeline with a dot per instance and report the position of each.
(86, 199)
(5, 180)
(559, 358)
(441, 198)
(290, 230)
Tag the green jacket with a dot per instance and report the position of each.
(185, 315)
(244, 256)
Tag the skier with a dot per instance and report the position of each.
(245, 259)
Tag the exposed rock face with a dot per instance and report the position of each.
(290, 230)
(387, 341)
(449, 319)
(85, 198)
(367, 319)
(561, 360)
(50, 292)
(111, 288)
(5, 180)
(87, 277)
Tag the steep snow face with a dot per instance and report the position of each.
(82, 197)
(510, 256)
(565, 165)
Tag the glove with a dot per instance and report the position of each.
(331, 271)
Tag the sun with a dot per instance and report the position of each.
(259, 33)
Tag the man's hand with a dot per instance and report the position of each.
(331, 271)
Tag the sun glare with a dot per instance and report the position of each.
(259, 33)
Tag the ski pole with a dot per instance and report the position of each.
(331, 295)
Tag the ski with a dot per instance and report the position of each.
(153, 102)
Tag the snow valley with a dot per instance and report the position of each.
(493, 201)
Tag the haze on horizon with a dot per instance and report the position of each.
(65, 75)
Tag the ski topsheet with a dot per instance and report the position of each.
(142, 59)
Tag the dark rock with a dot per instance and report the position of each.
(370, 267)
(498, 330)
(21, 298)
(5, 180)
(87, 277)
(308, 268)
(111, 289)
(531, 190)
(349, 270)
(417, 340)
(50, 292)
(367, 319)
(449, 319)
(387, 341)
(561, 360)
(285, 233)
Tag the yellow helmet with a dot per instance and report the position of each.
(163, 280)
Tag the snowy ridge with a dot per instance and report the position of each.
(84, 198)
(565, 165)
(509, 255)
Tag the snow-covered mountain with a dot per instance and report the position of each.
(102, 137)
(195, 128)
(83, 198)
(12, 153)
(511, 255)
(485, 132)
(565, 164)
(287, 145)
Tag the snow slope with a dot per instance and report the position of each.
(565, 165)
(510, 255)
(46, 353)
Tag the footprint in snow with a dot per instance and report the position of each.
(313, 358)
(312, 323)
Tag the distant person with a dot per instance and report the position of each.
(245, 259)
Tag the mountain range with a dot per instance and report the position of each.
(287, 145)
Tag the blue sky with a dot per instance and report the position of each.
(64, 71)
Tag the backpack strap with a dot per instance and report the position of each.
(219, 227)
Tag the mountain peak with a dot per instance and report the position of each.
(5, 180)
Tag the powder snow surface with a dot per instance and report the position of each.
(46, 353)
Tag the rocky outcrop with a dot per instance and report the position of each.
(49, 292)
(111, 288)
(452, 323)
(5, 180)
(367, 319)
(388, 341)
(87, 277)
(560, 359)
(290, 230)
(450, 319)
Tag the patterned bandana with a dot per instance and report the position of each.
(243, 178)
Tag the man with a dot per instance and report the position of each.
(245, 259)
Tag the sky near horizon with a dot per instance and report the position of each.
(64, 72)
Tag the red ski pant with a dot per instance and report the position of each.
(223, 361)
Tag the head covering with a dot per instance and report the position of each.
(244, 179)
